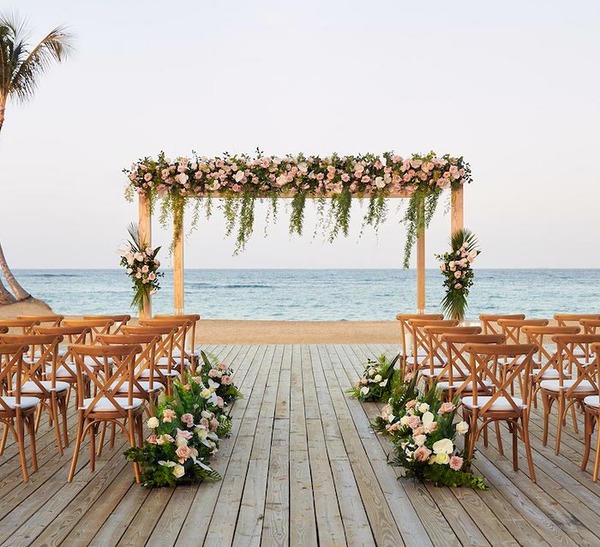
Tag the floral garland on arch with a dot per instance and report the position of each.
(241, 179)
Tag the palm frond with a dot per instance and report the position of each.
(464, 238)
(134, 232)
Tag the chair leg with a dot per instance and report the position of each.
(525, 431)
(4, 438)
(547, 401)
(31, 427)
(63, 404)
(597, 458)
(515, 440)
(78, 439)
(575, 426)
(588, 429)
(499, 438)
(93, 429)
(53, 411)
(561, 415)
(131, 434)
(20, 430)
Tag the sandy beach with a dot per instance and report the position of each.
(262, 332)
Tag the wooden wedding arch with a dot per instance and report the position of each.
(145, 232)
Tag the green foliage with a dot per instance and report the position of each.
(377, 381)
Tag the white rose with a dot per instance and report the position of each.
(427, 420)
(423, 407)
(420, 439)
(364, 390)
(384, 383)
(462, 428)
(404, 420)
(378, 378)
(443, 446)
(153, 422)
(178, 471)
(239, 176)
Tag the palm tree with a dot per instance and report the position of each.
(20, 68)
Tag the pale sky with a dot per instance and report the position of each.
(512, 86)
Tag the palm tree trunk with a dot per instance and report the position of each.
(16, 288)
(5, 296)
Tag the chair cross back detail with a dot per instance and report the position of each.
(569, 319)
(511, 328)
(403, 319)
(25, 326)
(576, 349)
(489, 322)
(119, 321)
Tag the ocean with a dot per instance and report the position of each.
(318, 295)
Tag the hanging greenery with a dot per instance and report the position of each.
(240, 180)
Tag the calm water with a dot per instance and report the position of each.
(318, 295)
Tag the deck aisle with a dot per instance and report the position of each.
(303, 468)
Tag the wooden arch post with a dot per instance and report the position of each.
(145, 232)
(178, 264)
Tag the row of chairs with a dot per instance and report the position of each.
(103, 359)
(507, 361)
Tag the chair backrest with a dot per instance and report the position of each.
(194, 318)
(435, 345)
(590, 326)
(458, 368)
(547, 352)
(511, 328)
(403, 318)
(183, 326)
(575, 353)
(489, 322)
(570, 319)
(52, 320)
(119, 321)
(19, 326)
(43, 352)
(116, 364)
(420, 349)
(516, 360)
(164, 349)
(11, 372)
(96, 326)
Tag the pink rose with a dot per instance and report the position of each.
(214, 424)
(213, 373)
(414, 422)
(188, 419)
(183, 452)
(458, 286)
(411, 404)
(183, 434)
(456, 463)
(168, 415)
(422, 453)
(419, 431)
(152, 439)
(220, 402)
(458, 275)
(446, 407)
(227, 380)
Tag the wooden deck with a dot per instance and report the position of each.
(301, 467)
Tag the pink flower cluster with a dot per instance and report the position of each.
(456, 268)
(221, 374)
(360, 175)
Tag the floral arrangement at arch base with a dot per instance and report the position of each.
(141, 264)
(424, 431)
(377, 382)
(185, 433)
(457, 272)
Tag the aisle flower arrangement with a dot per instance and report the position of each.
(185, 432)
(377, 382)
(241, 179)
(141, 265)
(424, 438)
(220, 377)
(457, 272)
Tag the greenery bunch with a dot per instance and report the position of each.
(377, 382)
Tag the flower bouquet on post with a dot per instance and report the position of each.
(185, 433)
(377, 381)
(219, 376)
(457, 272)
(139, 259)
(425, 443)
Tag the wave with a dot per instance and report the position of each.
(229, 286)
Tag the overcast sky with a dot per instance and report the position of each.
(512, 86)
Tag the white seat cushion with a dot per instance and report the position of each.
(105, 405)
(26, 402)
(592, 400)
(156, 386)
(501, 404)
(33, 387)
(428, 374)
(457, 383)
(553, 385)
(549, 374)
(164, 361)
(63, 371)
(146, 373)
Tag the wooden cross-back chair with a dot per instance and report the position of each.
(489, 322)
(405, 335)
(500, 404)
(546, 361)
(190, 354)
(179, 361)
(573, 319)
(39, 379)
(109, 404)
(591, 408)
(436, 365)
(511, 328)
(65, 370)
(119, 321)
(96, 326)
(148, 379)
(590, 326)
(574, 353)
(420, 350)
(19, 326)
(17, 412)
(51, 320)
